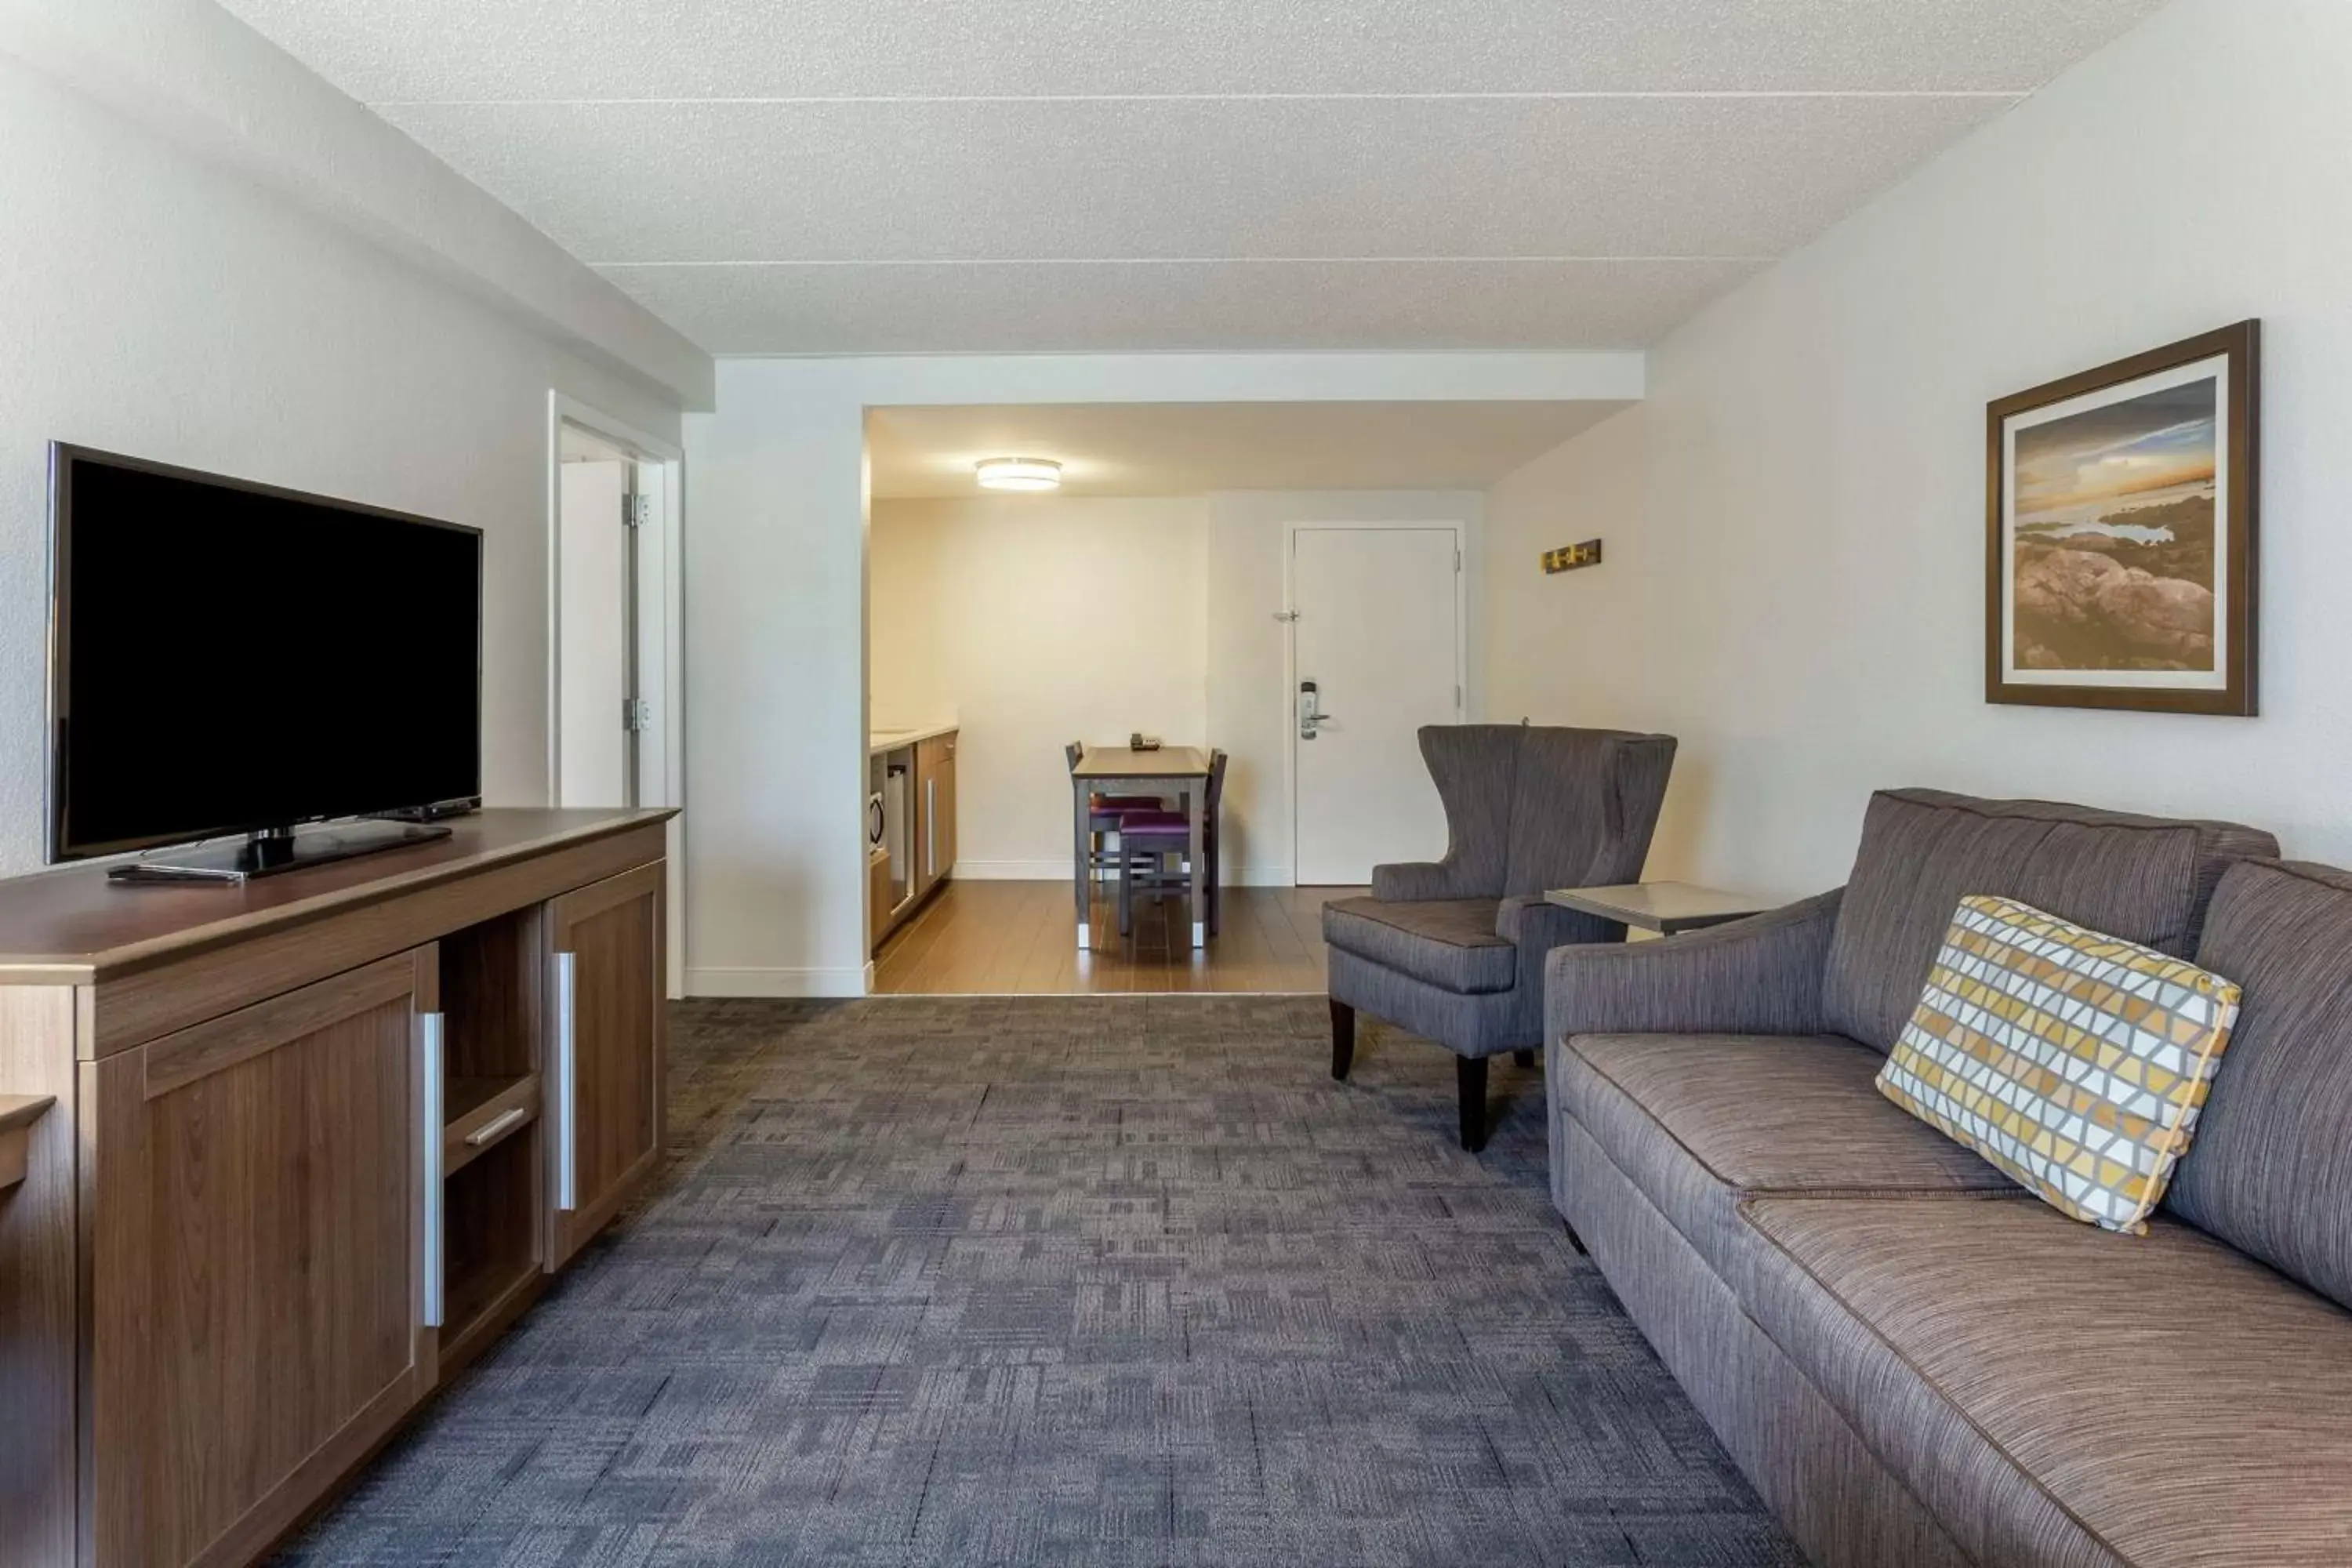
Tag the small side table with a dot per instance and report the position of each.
(1667, 908)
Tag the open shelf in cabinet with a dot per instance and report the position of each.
(482, 1112)
(492, 1257)
(494, 1225)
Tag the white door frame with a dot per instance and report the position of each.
(665, 597)
(1291, 532)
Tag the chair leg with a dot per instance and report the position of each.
(1470, 1078)
(1126, 891)
(1343, 1039)
(1523, 1058)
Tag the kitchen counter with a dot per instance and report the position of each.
(893, 740)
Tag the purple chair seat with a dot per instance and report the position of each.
(1145, 837)
(1105, 814)
(1155, 824)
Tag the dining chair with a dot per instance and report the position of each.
(1145, 841)
(1103, 813)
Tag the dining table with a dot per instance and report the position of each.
(1128, 769)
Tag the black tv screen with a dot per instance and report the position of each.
(228, 658)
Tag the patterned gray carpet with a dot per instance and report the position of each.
(1066, 1280)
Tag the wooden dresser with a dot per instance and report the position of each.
(308, 1144)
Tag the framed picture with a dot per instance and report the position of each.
(2120, 530)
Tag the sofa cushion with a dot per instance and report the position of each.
(1700, 1122)
(1801, 1456)
(2271, 1172)
(2143, 878)
(2055, 1394)
(2072, 1061)
(1449, 942)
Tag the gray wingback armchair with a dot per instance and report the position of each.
(1455, 949)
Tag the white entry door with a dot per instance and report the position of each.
(1377, 638)
(596, 762)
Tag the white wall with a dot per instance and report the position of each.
(1033, 621)
(194, 77)
(1794, 582)
(156, 302)
(775, 581)
(908, 683)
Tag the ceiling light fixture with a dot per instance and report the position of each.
(1019, 474)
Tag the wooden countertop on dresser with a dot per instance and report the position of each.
(71, 926)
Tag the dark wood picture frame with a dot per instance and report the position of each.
(2236, 515)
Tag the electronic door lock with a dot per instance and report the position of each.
(1311, 716)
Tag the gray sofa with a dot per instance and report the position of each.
(1914, 1361)
(1454, 950)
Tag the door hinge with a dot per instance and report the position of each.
(636, 511)
(637, 713)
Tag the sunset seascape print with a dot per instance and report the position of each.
(2116, 563)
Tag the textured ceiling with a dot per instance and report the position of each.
(1179, 449)
(914, 176)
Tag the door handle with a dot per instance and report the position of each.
(567, 1081)
(430, 1031)
(931, 827)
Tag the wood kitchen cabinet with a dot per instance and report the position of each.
(294, 1151)
(912, 775)
(935, 822)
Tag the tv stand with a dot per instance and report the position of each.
(296, 1151)
(276, 849)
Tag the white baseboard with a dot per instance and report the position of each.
(843, 982)
(1059, 871)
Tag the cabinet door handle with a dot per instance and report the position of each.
(567, 1081)
(490, 1130)
(931, 827)
(436, 1101)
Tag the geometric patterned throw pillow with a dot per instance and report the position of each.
(2074, 1061)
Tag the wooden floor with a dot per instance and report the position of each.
(997, 938)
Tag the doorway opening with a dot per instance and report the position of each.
(614, 666)
(1163, 580)
(609, 745)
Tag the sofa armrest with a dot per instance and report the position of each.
(1757, 976)
(1415, 881)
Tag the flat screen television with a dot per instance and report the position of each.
(228, 658)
